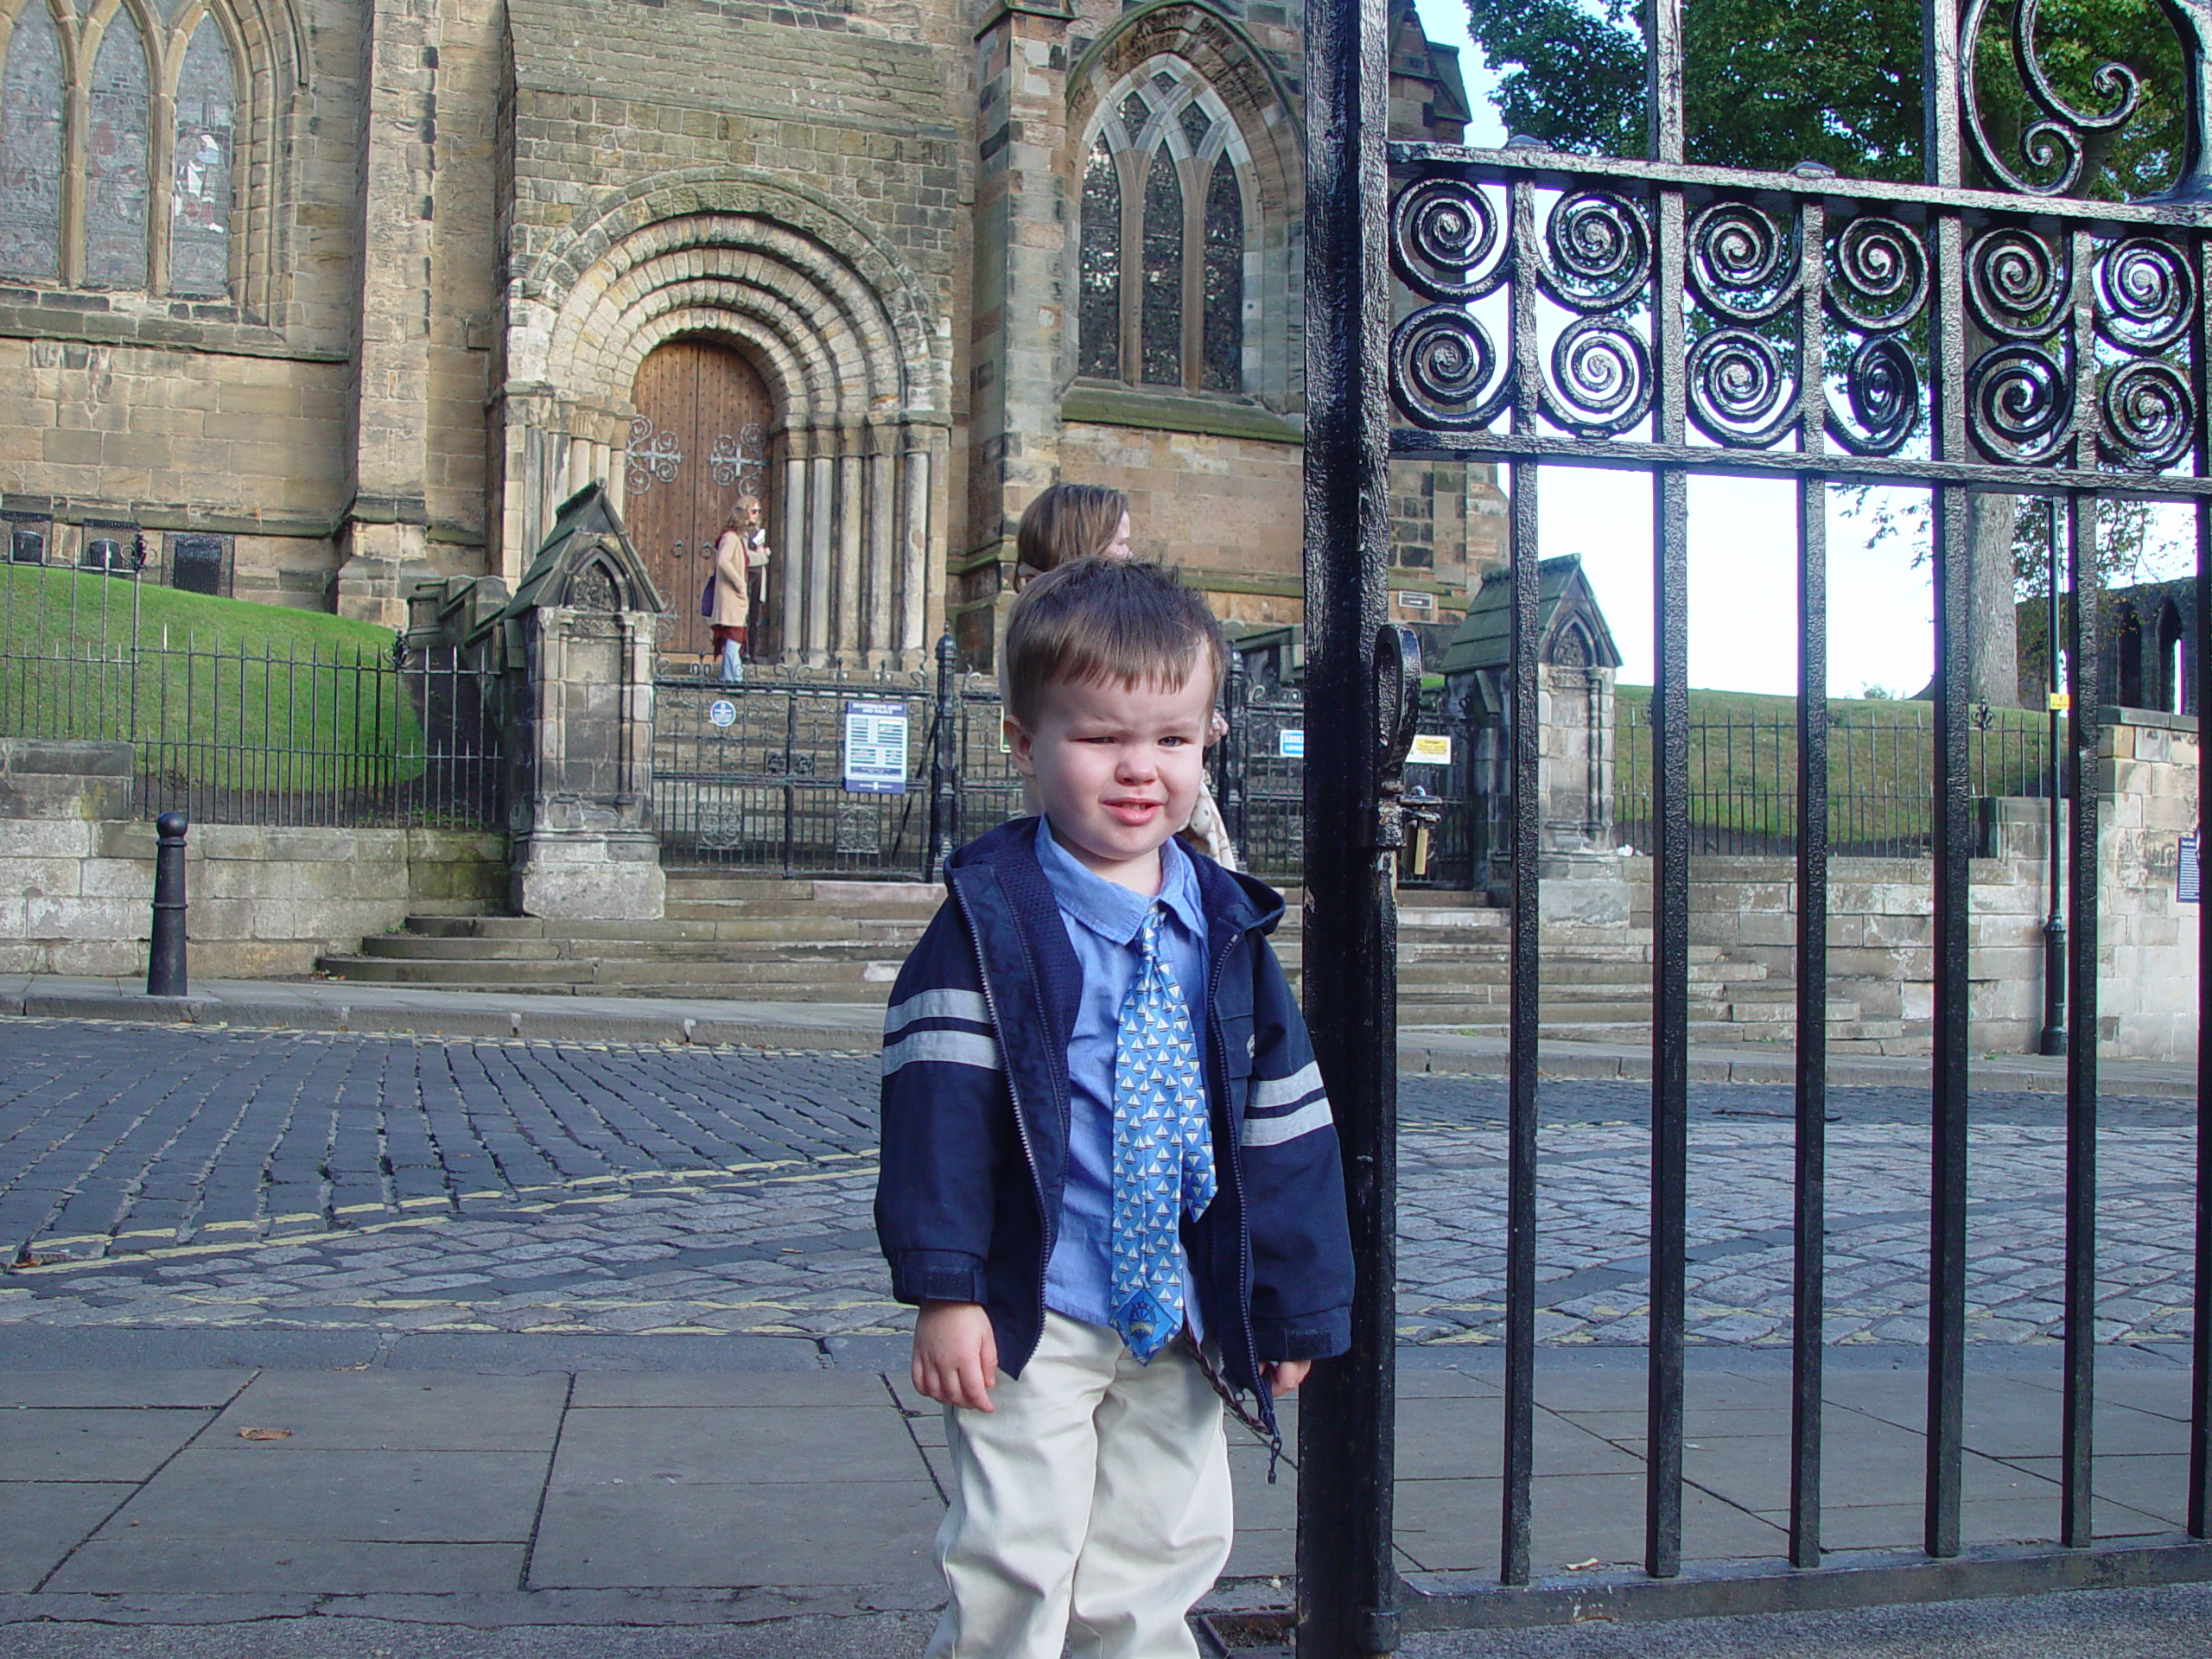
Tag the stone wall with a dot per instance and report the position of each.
(76, 876)
(1881, 910)
(2146, 942)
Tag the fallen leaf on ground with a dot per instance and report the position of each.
(1583, 1567)
(265, 1433)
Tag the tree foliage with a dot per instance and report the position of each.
(1770, 83)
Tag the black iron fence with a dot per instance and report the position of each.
(252, 721)
(796, 776)
(1743, 780)
(761, 777)
(755, 778)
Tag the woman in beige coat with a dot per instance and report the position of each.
(740, 548)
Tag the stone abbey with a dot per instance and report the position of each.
(326, 298)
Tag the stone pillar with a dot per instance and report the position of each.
(1022, 215)
(580, 724)
(847, 629)
(822, 502)
(877, 639)
(791, 556)
(913, 547)
(385, 532)
(1580, 871)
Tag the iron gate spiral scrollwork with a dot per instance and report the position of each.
(1990, 329)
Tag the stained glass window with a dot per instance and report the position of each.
(115, 161)
(1196, 124)
(1099, 287)
(1224, 348)
(200, 196)
(30, 148)
(1162, 328)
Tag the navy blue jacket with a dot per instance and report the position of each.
(976, 1119)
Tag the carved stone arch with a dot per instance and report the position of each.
(836, 326)
(1266, 150)
(842, 254)
(712, 313)
(743, 267)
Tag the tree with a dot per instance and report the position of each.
(1770, 83)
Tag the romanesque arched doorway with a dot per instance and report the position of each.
(699, 441)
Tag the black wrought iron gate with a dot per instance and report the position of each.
(1681, 318)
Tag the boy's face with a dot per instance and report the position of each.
(1117, 768)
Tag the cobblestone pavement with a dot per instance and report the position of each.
(176, 1178)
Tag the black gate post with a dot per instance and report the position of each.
(1235, 745)
(944, 760)
(165, 955)
(1347, 1582)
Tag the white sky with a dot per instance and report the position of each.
(1742, 579)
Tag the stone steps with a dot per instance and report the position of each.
(760, 938)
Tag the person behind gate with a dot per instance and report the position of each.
(1110, 1178)
(740, 548)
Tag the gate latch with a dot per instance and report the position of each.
(1397, 706)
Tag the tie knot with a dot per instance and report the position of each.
(1148, 931)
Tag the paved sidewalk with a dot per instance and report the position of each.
(327, 1005)
(496, 1482)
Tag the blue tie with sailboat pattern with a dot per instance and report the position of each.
(1163, 1149)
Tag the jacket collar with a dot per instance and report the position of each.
(1230, 896)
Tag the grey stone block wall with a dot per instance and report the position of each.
(76, 876)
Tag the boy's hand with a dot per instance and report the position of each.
(956, 1356)
(1285, 1375)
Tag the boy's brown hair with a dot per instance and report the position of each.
(1106, 621)
(1069, 521)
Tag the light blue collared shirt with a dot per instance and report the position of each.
(1103, 920)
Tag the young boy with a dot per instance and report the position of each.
(1109, 1173)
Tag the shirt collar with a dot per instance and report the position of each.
(1111, 910)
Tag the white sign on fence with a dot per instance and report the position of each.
(722, 712)
(1430, 749)
(875, 748)
(2189, 871)
(1290, 743)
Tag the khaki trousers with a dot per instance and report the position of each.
(1091, 1507)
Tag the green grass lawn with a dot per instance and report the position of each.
(1881, 764)
(217, 692)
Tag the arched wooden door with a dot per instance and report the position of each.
(699, 441)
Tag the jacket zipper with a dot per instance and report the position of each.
(1244, 1232)
(1047, 1223)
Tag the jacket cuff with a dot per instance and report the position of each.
(1314, 1336)
(937, 1276)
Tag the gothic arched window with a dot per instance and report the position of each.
(31, 102)
(199, 195)
(1159, 257)
(115, 160)
(122, 87)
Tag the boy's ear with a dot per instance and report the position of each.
(1017, 742)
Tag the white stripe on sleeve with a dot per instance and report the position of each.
(952, 1047)
(1274, 1131)
(1270, 1092)
(937, 1005)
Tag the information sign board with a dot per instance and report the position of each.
(875, 748)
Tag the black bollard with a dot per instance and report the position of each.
(165, 975)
